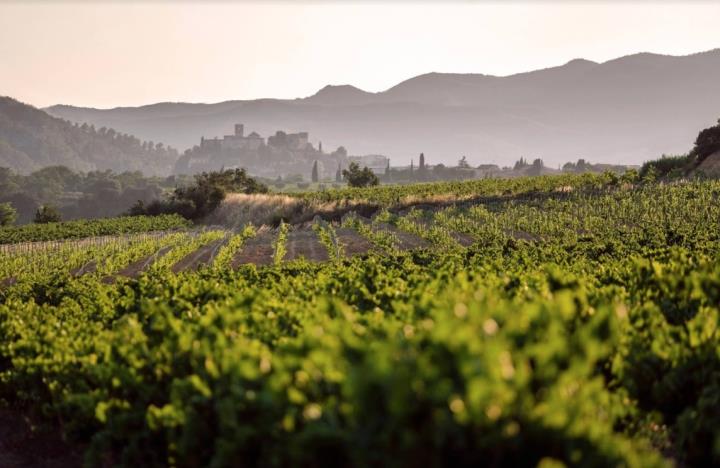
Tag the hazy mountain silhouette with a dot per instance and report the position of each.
(31, 139)
(342, 95)
(622, 111)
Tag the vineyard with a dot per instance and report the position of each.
(83, 229)
(548, 321)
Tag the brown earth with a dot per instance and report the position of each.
(462, 238)
(352, 242)
(202, 256)
(304, 243)
(406, 240)
(134, 269)
(465, 240)
(258, 250)
(89, 267)
(7, 282)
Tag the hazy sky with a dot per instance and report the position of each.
(109, 54)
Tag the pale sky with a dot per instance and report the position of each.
(108, 54)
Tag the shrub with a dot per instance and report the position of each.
(707, 143)
(8, 214)
(667, 166)
(47, 214)
(204, 196)
(357, 177)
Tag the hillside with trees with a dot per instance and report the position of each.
(30, 139)
(75, 195)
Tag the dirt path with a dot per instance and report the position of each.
(89, 267)
(202, 256)
(406, 240)
(7, 282)
(352, 242)
(462, 238)
(134, 269)
(466, 240)
(304, 243)
(258, 250)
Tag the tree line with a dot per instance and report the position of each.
(59, 192)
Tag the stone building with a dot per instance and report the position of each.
(281, 155)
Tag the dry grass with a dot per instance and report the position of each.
(239, 209)
(710, 166)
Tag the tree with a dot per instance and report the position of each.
(463, 164)
(707, 143)
(520, 164)
(314, 177)
(581, 166)
(24, 204)
(421, 166)
(47, 214)
(536, 167)
(569, 167)
(649, 175)
(357, 177)
(210, 188)
(338, 174)
(201, 198)
(630, 176)
(8, 215)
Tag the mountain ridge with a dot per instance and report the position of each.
(647, 103)
(571, 62)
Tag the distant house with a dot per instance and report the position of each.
(237, 141)
(291, 141)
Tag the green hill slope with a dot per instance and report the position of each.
(31, 139)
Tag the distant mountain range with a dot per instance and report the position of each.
(623, 111)
(31, 139)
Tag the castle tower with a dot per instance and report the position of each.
(239, 130)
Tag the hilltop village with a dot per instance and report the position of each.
(281, 155)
